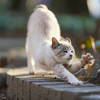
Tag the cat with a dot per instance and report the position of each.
(46, 50)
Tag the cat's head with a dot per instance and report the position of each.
(63, 51)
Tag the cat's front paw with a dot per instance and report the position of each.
(86, 59)
(75, 81)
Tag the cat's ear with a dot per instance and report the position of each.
(55, 43)
(68, 39)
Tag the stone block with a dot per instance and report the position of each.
(19, 89)
(55, 94)
(43, 93)
(14, 88)
(26, 89)
(22, 86)
(9, 87)
(34, 91)
(90, 97)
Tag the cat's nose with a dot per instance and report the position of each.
(71, 56)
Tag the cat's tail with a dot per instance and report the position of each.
(41, 6)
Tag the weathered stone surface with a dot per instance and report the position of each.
(43, 93)
(73, 94)
(54, 94)
(26, 89)
(70, 92)
(19, 89)
(9, 85)
(34, 91)
(68, 86)
(14, 88)
(42, 86)
(90, 97)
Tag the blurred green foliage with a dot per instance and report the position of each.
(12, 21)
(76, 24)
(13, 15)
(88, 42)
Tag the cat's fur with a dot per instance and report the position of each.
(47, 51)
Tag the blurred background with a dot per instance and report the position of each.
(73, 16)
(79, 20)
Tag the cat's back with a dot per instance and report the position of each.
(43, 23)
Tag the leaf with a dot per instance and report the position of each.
(88, 43)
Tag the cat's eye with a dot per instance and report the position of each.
(72, 51)
(65, 51)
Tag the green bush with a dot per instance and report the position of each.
(12, 21)
(76, 24)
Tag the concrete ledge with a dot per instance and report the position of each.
(42, 86)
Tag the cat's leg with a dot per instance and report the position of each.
(85, 59)
(63, 73)
(31, 64)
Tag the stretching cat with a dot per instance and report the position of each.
(47, 51)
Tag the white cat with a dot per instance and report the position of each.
(45, 50)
